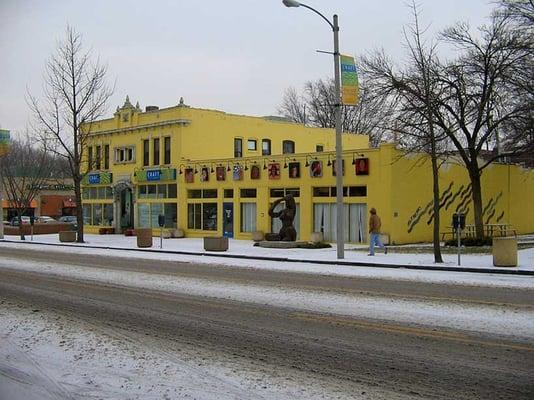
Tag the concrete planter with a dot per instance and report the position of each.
(504, 251)
(316, 237)
(258, 236)
(67, 236)
(144, 237)
(217, 243)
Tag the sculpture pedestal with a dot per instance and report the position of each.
(278, 244)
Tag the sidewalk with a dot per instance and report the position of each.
(244, 249)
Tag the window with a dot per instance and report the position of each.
(146, 152)
(194, 212)
(266, 147)
(209, 216)
(319, 148)
(90, 158)
(148, 214)
(248, 217)
(106, 156)
(97, 156)
(155, 159)
(167, 150)
(228, 193)
(171, 191)
(248, 193)
(288, 147)
(251, 145)
(281, 192)
(352, 191)
(198, 194)
(202, 216)
(124, 154)
(355, 221)
(238, 147)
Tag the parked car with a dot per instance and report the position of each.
(69, 219)
(15, 220)
(43, 219)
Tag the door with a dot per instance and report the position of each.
(126, 217)
(228, 220)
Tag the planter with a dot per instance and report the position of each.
(144, 237)
(316, 237)
(504, 252)
(217, 243)
(67, 236)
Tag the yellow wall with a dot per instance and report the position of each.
(399, 186)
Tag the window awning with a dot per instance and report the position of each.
(9, 204)
(69, 203)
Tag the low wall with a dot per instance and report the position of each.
(38, 229)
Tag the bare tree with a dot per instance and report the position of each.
(415, 89)
(316, 107)
(75, 95)
(24, 170)
(522, 11)
(484, 90)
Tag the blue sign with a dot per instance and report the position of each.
(94, 179)
(153, 175)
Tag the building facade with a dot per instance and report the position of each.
(212, 173)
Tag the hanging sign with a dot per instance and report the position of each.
(4, 141)
(349, 81)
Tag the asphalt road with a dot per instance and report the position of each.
(411, 361)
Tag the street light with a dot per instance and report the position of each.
(339, 176)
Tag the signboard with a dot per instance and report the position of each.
(94, 179)
(4, 141)
(349, 81)
(154, 175)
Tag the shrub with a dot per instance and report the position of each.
(470, 242)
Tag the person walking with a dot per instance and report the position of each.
(374, 233)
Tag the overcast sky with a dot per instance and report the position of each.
(237, 56)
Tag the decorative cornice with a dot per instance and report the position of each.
(181, 121)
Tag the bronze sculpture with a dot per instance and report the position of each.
(287, 215)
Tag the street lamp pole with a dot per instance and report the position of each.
(340, 239)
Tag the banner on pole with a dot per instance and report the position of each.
(4, 141)
(349, 81)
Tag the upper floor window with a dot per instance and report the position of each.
(266, 147)
(125, 154)
(288, 147)
(167, 150)
(155, 159)
(146, 152)
(251, 145)
(97, 157)
(106, 156)
(319, 148)
(238, 147)
(90, 158)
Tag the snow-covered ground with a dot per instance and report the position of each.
(38, 349)
(353, 253)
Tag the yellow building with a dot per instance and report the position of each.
(213, 173)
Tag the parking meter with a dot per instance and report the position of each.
(32, 222)
(161, 223)
(458, 223)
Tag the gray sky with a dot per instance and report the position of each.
(237, 56)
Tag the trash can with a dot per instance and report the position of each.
(144, 237)
(504, 252)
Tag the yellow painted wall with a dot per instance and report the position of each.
(399, 186)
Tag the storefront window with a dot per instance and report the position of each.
(97, 214)
(162, 191)
(155, 210)
(194, 219)
(170, 215)
(248, 217)
(151, 191)
(144, 215)
(172, 192)
(108, 214)
(209, 216)
(87, 214)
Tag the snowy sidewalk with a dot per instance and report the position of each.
(244, 250)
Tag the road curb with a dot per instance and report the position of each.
(297, 260)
